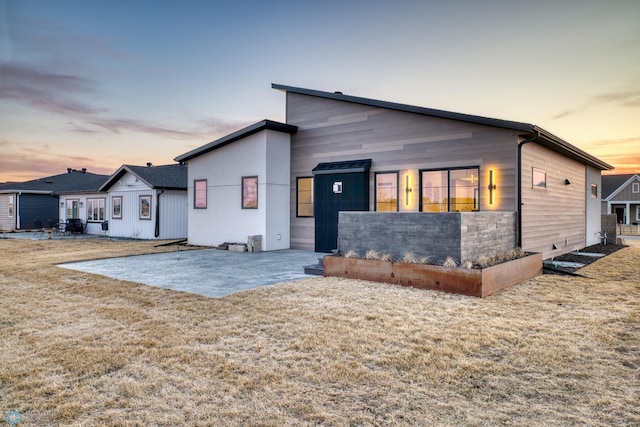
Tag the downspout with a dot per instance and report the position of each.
(526, 141)
(18, 210)
(157, 232)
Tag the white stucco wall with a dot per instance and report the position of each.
(593, 219)
(266, 155)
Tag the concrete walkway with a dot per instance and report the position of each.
(209, 272)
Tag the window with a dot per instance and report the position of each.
(449, 190)
(249, 192)
(145, 207)
(116, 204)
(73, 209)
(594, 191)
(304, 204)
(95, 209)
(387, 191)
(635, 187)
(200, 194)
(539, 179)
(10, 206)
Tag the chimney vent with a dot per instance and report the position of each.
(68, 170)
(84, 170)
(149, 164)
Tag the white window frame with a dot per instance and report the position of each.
(635, 187)
(594, 194)
(533, 178)
(90, 209)
(11, 207)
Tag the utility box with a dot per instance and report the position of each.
(238, 247)
(254, 243)
(105, 226)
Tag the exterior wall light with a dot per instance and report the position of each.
(492, 187)
(81, 203)
(407, 190)
(567, 182)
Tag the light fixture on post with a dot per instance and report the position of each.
(407, 190)
(492, 187)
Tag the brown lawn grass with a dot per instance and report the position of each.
(82, 349)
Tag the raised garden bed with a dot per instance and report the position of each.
(466, 281)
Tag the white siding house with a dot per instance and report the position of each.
(147, 202)
(241, 189)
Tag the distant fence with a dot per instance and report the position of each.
(629, 230)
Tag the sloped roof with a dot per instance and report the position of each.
(611, 183)
(74, 181)
(235, 136)
(543, 137)
(168, 177)
(348, 166)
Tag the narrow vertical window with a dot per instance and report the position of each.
(249, 192)
(386, 191)
(594, 191)
(635, 187)
(200, 194)
(539, 179)
(116, 204)
(145, 207)
(73, 209)
(10, 206)
(304, 192)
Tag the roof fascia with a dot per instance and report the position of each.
(622, 187)
(561, 146)
(122, 170)
(237, 135)
(338, 96)
(15, 191)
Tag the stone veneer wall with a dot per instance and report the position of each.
(460, 235)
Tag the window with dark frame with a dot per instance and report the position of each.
(116, 207)
(200, 194)
(249, 192)
(386, 191)
(145, 207)
(594, 191)
(539, 178)
(95, 210)
(304, 199)
(450, 190)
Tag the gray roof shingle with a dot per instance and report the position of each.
(74, 181)
(169, 177)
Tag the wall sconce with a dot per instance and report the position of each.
(407, 190)
(81, 203)
(492, 187)
(566, 181)
(62, 204)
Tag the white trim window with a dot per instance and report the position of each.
(539, 178)
(594, 191)
(635, 187)
(10, 207)
(95, 210)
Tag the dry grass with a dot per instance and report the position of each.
(81, 349)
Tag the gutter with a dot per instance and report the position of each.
(157, 230)
(18, 210)
(526, 141)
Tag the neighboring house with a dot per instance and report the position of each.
(146, 202)
(287, 182)
(42, 202)
(621, 196)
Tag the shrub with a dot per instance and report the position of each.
(372, 255)
(352, 254)
(410, 258)
(467, 264)
(449, 263)
(386, 257)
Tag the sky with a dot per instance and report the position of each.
(97, 84)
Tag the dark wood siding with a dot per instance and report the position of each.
(36, 209)
(330, 130)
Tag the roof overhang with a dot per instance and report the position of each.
(235, 136)
(117, 175)
(348, 166)
(544, 138)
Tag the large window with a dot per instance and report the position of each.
(95, 209)
(249, 192)
(200, 194)
(10, 206)
(449, 190)
(386, 191)
(304, 204)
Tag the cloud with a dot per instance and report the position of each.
(624, 99)
(44, 90)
